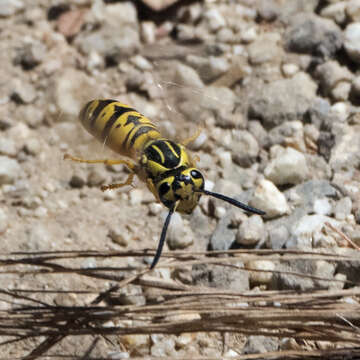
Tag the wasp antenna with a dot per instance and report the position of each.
(234, 202)
(162, 238)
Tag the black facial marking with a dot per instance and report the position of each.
(164, 189)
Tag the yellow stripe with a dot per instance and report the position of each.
(172, 149)
(160, 153)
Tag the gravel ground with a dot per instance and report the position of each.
(273, 84)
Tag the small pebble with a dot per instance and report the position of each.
(289, 70)
(268, 198)
(10, 170)
(352, 41)
(136, 196)
(259, 277)
(119, 235)
(77, 181)
(155, 208)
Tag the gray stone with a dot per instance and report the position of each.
(244, 147)
(283, 100)
(235, 279)
(119, 19)
(330, 74)
(311, 34)
(289, 133)
(266, 48)
(278, 236)
(345, 155)
(223, 236)
(349, 268)
(285, 278)
(257, 344)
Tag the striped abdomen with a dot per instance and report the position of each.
(118, 126)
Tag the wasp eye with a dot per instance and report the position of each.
(196, 174)
(163, 189)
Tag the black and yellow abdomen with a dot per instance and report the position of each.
(118, 126)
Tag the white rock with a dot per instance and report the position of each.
(268, 198)
(341, 110)
(141, 63)
(289, 167)
(352, 41)
(148, 32)
(219, 212)
(251, 231)
(290, 70)
(155, 208)
(10, 170)
(186, 75)
(179, 235)
(249, 35)
(225, 159)
(322, 206)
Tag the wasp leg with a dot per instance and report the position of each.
(129, 164)
(128, 181)
(152, 188)
(187, 141)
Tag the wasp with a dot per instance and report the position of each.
(164, 165)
